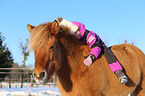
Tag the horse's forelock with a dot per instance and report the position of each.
(39, 35)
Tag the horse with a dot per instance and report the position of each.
(57, 51)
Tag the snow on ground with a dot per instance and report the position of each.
(38, 91)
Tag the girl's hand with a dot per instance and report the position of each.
(89, 60)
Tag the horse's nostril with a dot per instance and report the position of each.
(43, 74)
(40, 76)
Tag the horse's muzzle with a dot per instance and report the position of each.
(41, 78)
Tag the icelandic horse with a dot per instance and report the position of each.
(57, 51)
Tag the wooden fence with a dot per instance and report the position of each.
(21, 78)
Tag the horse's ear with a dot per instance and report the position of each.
(54, 27)
(30, 27)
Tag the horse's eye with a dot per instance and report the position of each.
(51, 47)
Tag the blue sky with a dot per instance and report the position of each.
(113, 20)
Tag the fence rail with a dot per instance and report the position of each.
(14, 68)
(22, 79)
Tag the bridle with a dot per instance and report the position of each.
(50, 49)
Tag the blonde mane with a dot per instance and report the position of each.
(39, 35)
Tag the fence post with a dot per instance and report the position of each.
(54, 80)
(10, 80)
(22, 79)
(31, 81)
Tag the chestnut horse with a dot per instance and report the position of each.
(57, 51)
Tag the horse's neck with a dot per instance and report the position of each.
(73, 51)
(71, 48)
(72, 62)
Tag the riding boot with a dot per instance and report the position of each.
(121, 76)
(117, 69)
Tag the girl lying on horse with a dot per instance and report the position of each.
(96, 45)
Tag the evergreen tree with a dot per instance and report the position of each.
(6, 59)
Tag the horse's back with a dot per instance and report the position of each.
(129, 56)
(133, 61)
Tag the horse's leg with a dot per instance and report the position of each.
(137, 91)
(140, 90)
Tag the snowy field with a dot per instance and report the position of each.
(38, 91)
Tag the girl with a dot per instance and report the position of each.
(97, 46)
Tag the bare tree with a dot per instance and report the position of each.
(128, 43)
(25, 51)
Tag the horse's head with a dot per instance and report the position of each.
(43, 42)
